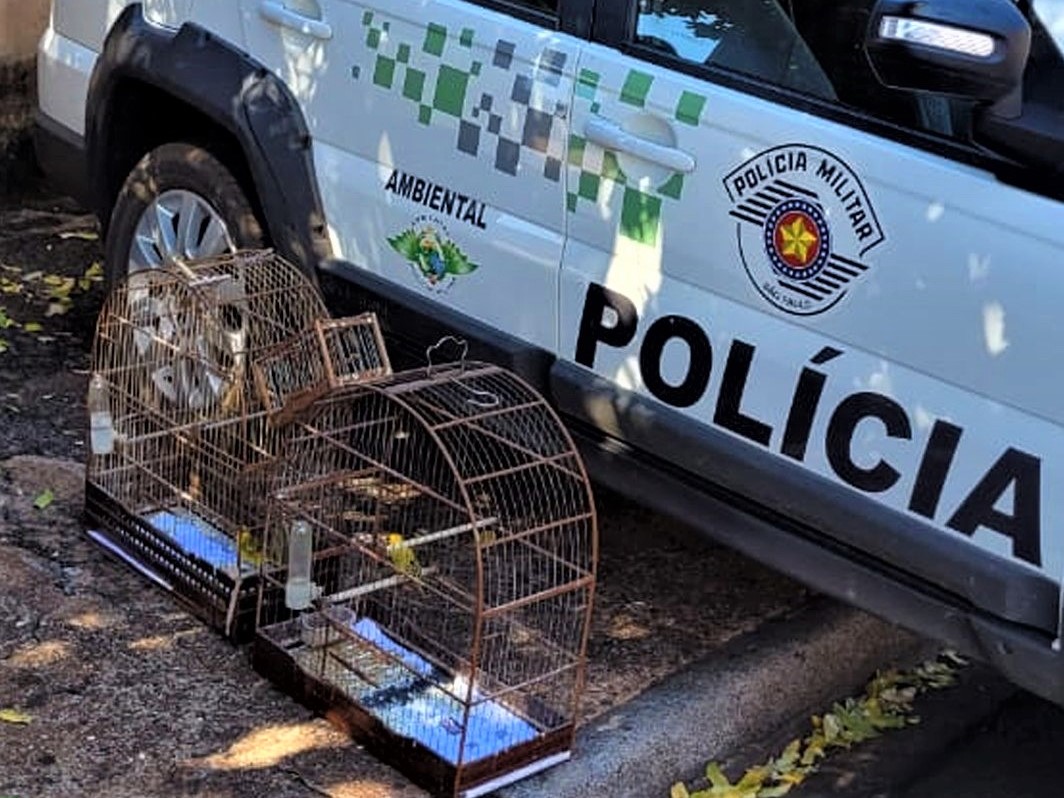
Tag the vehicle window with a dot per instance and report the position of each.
(816, 47)
(753, 37)
(543, 6)
(838, 48)
(810, 46)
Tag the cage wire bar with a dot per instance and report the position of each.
(333, 354)
(183, 446)
(452, 552)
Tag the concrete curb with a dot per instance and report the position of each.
(784, 671)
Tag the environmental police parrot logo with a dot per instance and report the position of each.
(436, 259)
(804, 226)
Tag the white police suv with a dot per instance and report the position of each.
(791, 269)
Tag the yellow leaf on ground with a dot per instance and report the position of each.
(14, 716)
(44, 499)
(84, 235)
(63, 288)
(887, 704)
(33, 326)
(832, 728)
(56, 309)
(775, 791)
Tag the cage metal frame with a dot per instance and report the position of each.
(334, 354)
(272, 650)
(175, 348)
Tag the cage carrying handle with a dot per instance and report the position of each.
(463, 347)
(485, 400)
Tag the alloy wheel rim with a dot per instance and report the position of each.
(178, 226)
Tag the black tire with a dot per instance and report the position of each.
(178, 166)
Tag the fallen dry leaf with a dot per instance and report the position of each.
(44, 499)
(14, 716)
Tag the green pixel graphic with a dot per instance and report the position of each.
(577, 145)
(451, 85)
(640, 216)
(451, 90)
(640, 211)
(635, 89)
(435, 39)
(519, 109)
(384, 73)
(414, 85)
(689, 109)
(587, 84)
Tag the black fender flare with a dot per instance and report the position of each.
(235, 92)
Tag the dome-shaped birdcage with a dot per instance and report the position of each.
(181, 442)
(435, 549)
(179, 342)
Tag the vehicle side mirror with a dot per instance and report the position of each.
(960, 48)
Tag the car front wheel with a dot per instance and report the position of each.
(179, 204)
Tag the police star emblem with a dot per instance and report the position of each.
(804, 226)
(797, 239)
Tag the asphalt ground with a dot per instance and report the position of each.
(984, 738)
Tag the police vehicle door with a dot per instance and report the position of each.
(837, 325)
(440, 131)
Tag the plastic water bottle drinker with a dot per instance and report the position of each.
(101, 426)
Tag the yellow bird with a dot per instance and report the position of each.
(248, 547)
(402, 555)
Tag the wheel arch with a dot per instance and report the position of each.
(152, 85)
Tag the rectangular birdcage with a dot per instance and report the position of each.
(186, 507)
(333, 354)
(438, 545)
(182, 449)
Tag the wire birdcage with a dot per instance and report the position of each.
(334, 354)
(439, 547)
(182, 446)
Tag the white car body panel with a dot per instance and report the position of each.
(67, 52)
(950, 320)
(86, 21)
(220, 18)
(365, 132)
(64, 68)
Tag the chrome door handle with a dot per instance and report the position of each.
(612, 136)
(276, 12)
